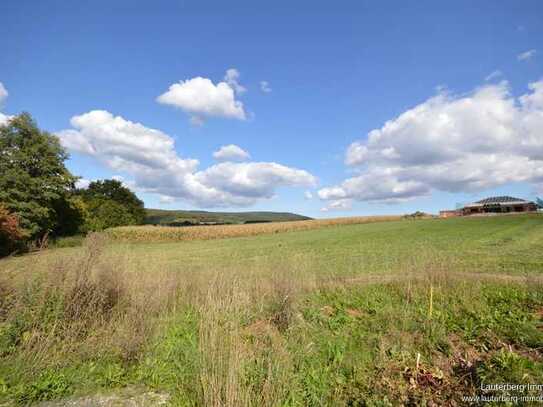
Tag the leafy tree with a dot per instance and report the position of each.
(114, 190)
(73, 216)
(107, 213)
(539, 203)
(33, 178)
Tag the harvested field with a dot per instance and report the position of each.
(170, 233)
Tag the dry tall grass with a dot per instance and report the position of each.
(82, 306)
(171, 233)
(93, 304)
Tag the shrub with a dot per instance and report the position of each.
(11, 236)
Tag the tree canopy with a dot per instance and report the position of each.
(33, 177)
(110, 204)
(106, 213)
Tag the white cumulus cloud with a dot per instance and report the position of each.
(231, 152)
(149, 158)
(527, 55)
(252, 180)
(123, 145)
(471, 143)
(201, 99)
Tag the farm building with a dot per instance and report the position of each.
(495, 204)
(499, 204)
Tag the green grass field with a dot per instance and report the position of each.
(411, 311)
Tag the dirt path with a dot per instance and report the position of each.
(128, 397)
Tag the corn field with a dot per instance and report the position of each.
(171, 233)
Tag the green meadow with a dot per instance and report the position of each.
(409, 312)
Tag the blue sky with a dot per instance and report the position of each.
(336, 71)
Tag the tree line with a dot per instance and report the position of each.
(38, 195)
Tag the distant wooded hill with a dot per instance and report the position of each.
(188, 218)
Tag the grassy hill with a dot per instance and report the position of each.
(185, 218)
